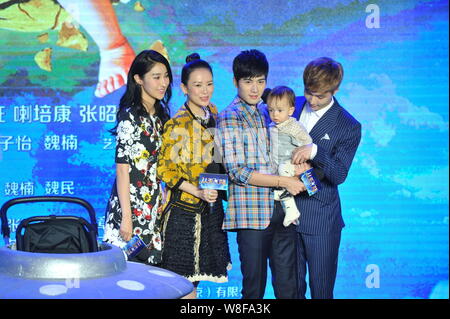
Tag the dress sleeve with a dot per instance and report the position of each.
(126, 135)
(170, 154)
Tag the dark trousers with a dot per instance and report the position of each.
(320, 254)
(277, 244)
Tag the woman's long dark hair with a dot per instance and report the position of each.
(132, 98)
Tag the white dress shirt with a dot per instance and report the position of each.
(309, 118)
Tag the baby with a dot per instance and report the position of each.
(286, 133)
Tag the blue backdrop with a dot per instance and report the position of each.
(53, 129)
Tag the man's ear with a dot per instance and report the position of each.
(335, 91)
(235, 82)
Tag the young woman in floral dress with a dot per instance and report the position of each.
(134, 204)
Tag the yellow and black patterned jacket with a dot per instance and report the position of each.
(187, 148)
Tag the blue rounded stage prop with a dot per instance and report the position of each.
(96, 275)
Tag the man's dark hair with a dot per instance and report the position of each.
(250, 64)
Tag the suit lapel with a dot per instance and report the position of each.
(326, 123)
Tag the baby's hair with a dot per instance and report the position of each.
(282, 91)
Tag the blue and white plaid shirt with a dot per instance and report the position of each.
(242, 137)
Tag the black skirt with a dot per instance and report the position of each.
(194, 244)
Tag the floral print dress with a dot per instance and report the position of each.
(138, 142)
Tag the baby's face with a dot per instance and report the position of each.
(280, 109)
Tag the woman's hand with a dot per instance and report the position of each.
(126, 228)
(208, 195)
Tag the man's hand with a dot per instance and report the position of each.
(293, 185)
(301, 168)
(301, 154)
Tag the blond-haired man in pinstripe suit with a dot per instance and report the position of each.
(336, 135)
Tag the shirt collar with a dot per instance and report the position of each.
(320, 112)
(283, 124)
(251, 109)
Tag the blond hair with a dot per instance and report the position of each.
(323, 75)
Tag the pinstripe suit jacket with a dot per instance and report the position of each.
(337, 135)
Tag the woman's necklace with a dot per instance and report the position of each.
(204, 118)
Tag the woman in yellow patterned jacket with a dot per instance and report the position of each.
(194, 244)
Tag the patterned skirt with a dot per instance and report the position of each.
(194, 244)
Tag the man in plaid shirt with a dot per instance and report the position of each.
(242, 137)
